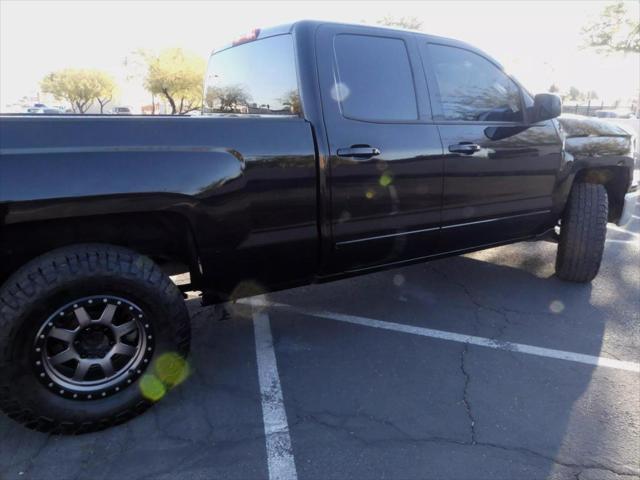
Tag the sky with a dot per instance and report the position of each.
(537, 41)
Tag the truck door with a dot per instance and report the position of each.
(386, 158)
(499, 171)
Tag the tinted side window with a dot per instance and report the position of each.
(373, 78)
(472, 88)
(258, 77)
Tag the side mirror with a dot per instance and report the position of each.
(545, 107)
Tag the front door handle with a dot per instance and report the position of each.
(359, 151)
(466, 148)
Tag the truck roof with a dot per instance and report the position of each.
(311, 26)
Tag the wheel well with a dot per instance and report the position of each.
(165, 237)
(615, 181)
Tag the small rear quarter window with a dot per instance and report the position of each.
(258, 77)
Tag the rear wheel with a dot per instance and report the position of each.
(582, 233)
(90, 336)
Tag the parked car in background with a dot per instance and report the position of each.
(615, 114)
(367, 148)
(121, 111)
(44, 110)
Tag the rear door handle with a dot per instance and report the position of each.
(361, 152)
(466, 148)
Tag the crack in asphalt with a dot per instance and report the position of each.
(465, 394)
(35, 456)
(501, 311)
(629, 475)
(341, 425)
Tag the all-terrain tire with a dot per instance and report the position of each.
(582, 233)
(49, 283)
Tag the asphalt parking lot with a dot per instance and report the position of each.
(477, 367)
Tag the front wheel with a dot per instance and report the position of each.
(90, 336)
(582, 233)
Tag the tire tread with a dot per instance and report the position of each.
(50, 271)
(582, 233)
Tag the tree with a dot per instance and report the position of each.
(106, 87)
(227, 99)
(554, 88)
(575, 94)
(614, 31)
(79, 87)
(592, 95)
(176, 75)
(410, 23)
(292, 100)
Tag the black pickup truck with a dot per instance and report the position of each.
(324, 151)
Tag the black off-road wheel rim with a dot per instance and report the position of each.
(93, 347)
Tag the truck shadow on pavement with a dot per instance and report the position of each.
(366, 403)
(491, 414)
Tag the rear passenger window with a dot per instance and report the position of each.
(257, 77)
(472, 88)
(373, 79)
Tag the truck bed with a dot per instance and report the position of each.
(212, 172)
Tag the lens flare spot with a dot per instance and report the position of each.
(247, 288)
(398, 280)
(244, 289)
(468, 212)
(556, 306)
(386, 179)
(370, 194)
(171, 369)
(381, 165)
(340, 92)
(344, 217)
(152, 388)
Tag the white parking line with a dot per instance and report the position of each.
(473, 340)
(622, 230)
(617, 240)
(280, 459)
